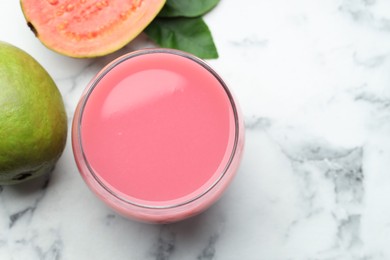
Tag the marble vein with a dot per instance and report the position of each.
(209, 252)
(28, 211)
(255, 122)
(370, 62)
(165, 245)
(54, 250)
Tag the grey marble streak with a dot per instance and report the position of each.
(254, 122)
(54, 249)
(371, 62)
(165, 245)
(209, 252)
(315, 162)
(381, 103)
(171, 241)
(250, 42)
(365, 12)
(343, 170)
(28, 211)
(36, 190)
(378, 104)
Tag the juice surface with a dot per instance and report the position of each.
(158, 127)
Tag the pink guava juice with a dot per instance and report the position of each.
(157, 135)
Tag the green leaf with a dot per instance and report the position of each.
(187, 8)
(187, 34)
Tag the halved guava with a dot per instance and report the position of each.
(88, 28)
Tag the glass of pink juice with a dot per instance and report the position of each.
(157, 135)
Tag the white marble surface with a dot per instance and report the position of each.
(313, 80)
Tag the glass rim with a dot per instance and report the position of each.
(106, 70)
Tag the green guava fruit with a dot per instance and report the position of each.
(33, 121)
(81, 28)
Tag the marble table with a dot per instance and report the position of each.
(313, 81)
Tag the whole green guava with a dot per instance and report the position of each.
(33, 121)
